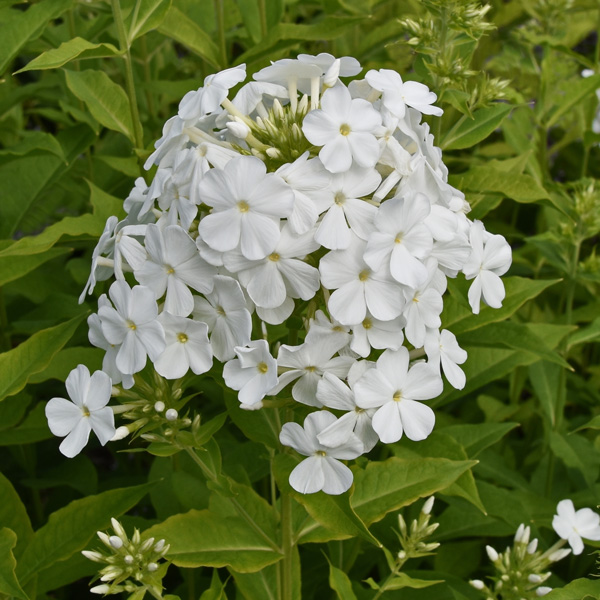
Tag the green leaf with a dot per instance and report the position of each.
(545, 378)
(255, 424)
(24, 178)
(216, 591)
(580, 589)
(33, 356)
(147, 15)
(14, 267)
(470, 131)
(75, 49)
(67, 359)
(249, 9)
(182, 29)
(13, 514)
(106, 100)
(333, 515)
(389, 485)
(585, 335)
(9, 585)
(592, 424)
(71, 528)
(458, 317)
(476, 438)
(402, 580)
(17, 27)
(340, 583)
(35, 140)
(577, 453)
(199, 538)
(33, 429)
(576, 94)
(104, 206)
(491, 179)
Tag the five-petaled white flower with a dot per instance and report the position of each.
(86, 412)
(573, 525)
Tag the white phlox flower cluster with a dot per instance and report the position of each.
(299, 195)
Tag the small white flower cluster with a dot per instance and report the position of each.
(300, 189)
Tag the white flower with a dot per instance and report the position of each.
(187, 347)
(357, 287)
(395, 389)
(133, 325)
(349, 66)
(87, 411)
(397, 95)
(253, 373)
(247, 206)
(322, 331)
(442, 348)
(373, 333)
(344, 128)
(321, 471)
(489, 259)
(227, 316)
(572, 526)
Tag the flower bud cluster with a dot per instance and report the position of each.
(131, 564)
(412, 539)
(521, 570)
(300, 197)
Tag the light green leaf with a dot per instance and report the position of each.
(577, 453)
(340, 583)
(106, 100)
(67, 359)
(402, 580)
(222, 543)
(17, 27)
(14, 267)
(13, 514)
(9, 585)
(249, 9)
(545, 378)
(147, 15)
(71, 528)
(592, 424)
(470, 131)
(75, 49)
(389, 485)
(458, 317)
(519, 187)
(216, 591)
(580, 589)
(33, 356)
(182, 29)
(35, 140)
(88, 225)
(586, 335)
(476, 438)
(334, 517)
(33, 429)
(577, 93)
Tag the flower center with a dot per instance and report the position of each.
(367, 323)
(274, 257)
(262, 367)
(345, 129)
(340, 198)
(398, 396)
(364, 275)
(358, 409)
(338, 328)
(131, 325)
(221, 311)
(320, 453)
(85, 410)
(182, 337)
(310, 369)
(243, 206)
(169, 269)
(399, 237)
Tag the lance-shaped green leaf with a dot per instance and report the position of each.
(13, 514)
(106, 100)
(33, 356)
(183, 30)
(75, 49)
(9, 584)
(200, 538)
(402, 580)
(35, 140)
(545, 378)
(340, 583)
(580, 589)
(14, 267)
(216, 591)
(476, 438)
(147, 15)
(17, 27)
(574, 96)
(470, 131)
(71, 528)
(389, 485)
(333, 515)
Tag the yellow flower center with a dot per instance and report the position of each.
(398, 396)
(131, 325)
(220, 310)
(182, 337)
(262, 367)
(364, 275)
(243, 206)
(320, 453)
(345, 129)
(340, 198)
(274, 257)
(367, 323)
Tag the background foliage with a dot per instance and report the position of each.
(82, 98)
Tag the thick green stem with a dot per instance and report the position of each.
(129, 82)
(220, 12)
(383, 588)
(262, 9)
(287, 544)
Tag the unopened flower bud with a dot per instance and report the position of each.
(152, 567)
(128, 559)
(118, 528)
(159, 406)
(255, 406)
(428, 505)
(559, 554)
(238, 128)
(277, 108)
(104, 539)
(532, 546)
(526, 535)
(519, 533)
(115, 542)
(303, 104)
(159, 545)
(477, 584)
(533, 578)
(331, 76)
(171, 414)
(147, 544)
(493, 555)
(91, 555)
(120, 433)
(273, 152)
(100, 589)
(401, 555)
(543, 590)
(177, 394)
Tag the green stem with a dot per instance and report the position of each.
(383, 588)
(129, 82)
(220, 12)
(147, 77)
(262, 9)
(209, 474)
(287, 537)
